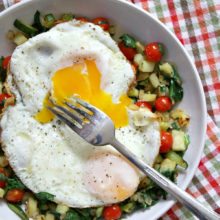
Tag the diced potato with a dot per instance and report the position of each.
(10, 35)
(142, 76)
(138, 58)
(19, 39)
(182, 118)
(62, 209)
(40, 217)
(49, 216)
(154, 80)
(133, 107)
(139, 47)
(2, 193)
(32, 209)
(147, 66)
(3, 161)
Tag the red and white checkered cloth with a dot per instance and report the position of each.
(196, 23)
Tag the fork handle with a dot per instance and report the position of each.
(186, 199)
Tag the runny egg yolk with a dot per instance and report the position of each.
(84, 81)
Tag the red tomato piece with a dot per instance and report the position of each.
(2, 183)
(163, 104)
(83, 19)
(6, 62)
(14, 195)
(166, 141)
(145, 104)
(102, 22)
(154, 51)
(112, 212)
(127, 51)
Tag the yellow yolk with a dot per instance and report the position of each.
(84, 81)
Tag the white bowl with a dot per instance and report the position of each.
(146, 28)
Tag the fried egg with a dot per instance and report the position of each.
(73, 59)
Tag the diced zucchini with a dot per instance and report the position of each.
(178, 140)
(167, 165)
(139, 47)
(148, 97)
(49, 20)
(32, 209)
(99, 211)
(128, 208)
(164, 125)
(62, 209)
(154, 80)
(2, 193)
(186, 140)
(18, 211)
(49, 216)
(158, 159)
(146, 66)
(133, 107)
(133, 92)
(138, 59)
(157, 166)
(142, 76)
(177, 158)
(166, 69)
(175, 125)
(3, 161)
(25, 28)
(19, 39)
(143, 83)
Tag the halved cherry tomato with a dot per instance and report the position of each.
(145, 104)
(6, 62)
(163, 104)
(166, 141)
(102, 22)
(83, 19)
(112, 212)
(2, 183)
(3, 97)
(14, 195)
(154, 51)
(127, 51)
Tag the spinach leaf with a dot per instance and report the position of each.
(12, 183)
(44, 196)
(128, 40)
(176, 76)
(72, 215)
(175, 91)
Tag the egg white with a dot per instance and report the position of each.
(50, 157)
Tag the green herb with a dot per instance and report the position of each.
(18, 210)
(175, 91)
(67, 17)
(161, 48)
(128, 40)
(175, 125)
(44, 196)
(72, 215)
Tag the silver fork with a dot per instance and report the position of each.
(97, 128)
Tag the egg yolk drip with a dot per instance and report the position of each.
(84, 81)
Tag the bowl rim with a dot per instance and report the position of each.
(203, 110)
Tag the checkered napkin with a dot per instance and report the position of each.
(196, 23)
